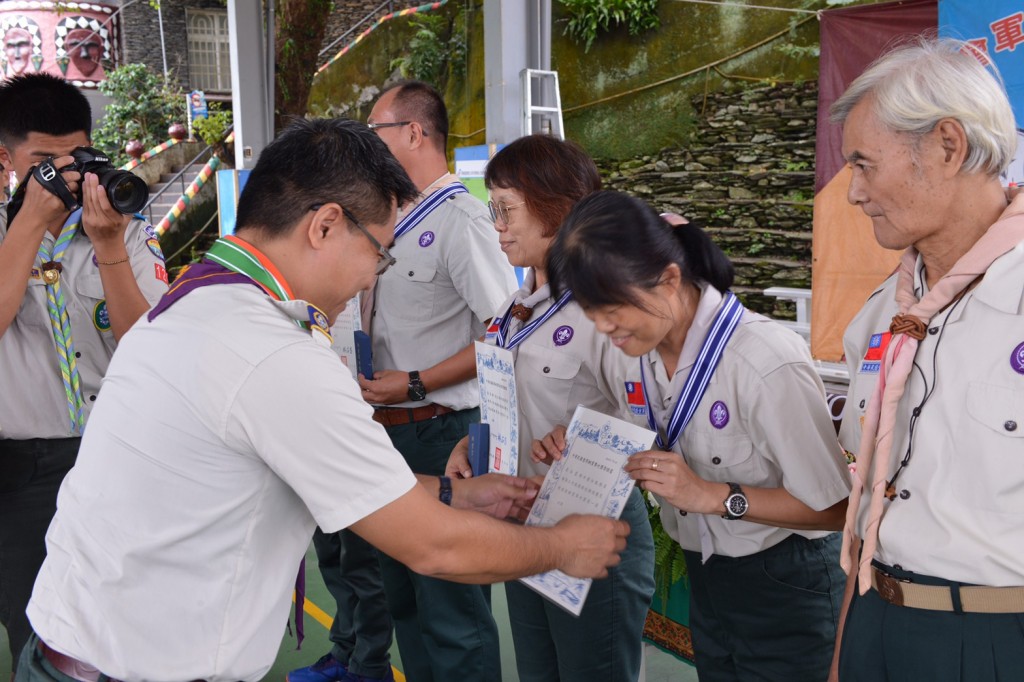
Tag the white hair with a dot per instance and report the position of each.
(918, 85)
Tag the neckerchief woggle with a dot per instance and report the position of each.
(506, 320)
(711, 350)
(231, 260)
(423, 209)
(60, 321)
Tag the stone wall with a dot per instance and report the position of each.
(748, 175)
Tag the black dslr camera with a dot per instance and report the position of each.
(127, 193)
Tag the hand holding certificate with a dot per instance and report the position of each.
(588, 479)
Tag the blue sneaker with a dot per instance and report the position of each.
(352, 677)
(327, 669)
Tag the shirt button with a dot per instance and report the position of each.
(411, 273)
(77, 354)
(682, 513)
(1010, 425)
(716, 460)
(933, 330)
(862, 403)
(547, 370)
(897, 567)
(904, 494)
(92, 398)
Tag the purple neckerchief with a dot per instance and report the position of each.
(201, 274)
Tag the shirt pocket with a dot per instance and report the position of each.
(989, 464)
(33, 312)
(412, 289)
(720, 457)
(548, 377)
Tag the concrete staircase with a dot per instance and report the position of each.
(168, 195)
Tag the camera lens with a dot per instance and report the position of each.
(127, 193)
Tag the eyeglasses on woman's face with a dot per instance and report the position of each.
(499, 210)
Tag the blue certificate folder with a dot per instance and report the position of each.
(364, 354)
(479, 448)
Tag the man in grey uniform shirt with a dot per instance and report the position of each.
(450, 279)
(71, 284)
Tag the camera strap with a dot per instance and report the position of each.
(47, 175)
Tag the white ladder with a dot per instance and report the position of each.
(541, 117)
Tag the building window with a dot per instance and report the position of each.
(209, 51)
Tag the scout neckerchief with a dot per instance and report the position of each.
(60, 323)
(711, 351)
(231, 260)
(506, 320)
(423, 209)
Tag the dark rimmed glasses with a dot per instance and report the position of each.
(396, 124)
(501, 209)
(384, 258)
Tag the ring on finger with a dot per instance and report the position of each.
(654, 464)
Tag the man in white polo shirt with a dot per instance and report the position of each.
(228, 429)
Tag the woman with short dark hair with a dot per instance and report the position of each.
(561, 362)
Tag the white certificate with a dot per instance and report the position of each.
(342, 333)
(499, 408)
(589, 479)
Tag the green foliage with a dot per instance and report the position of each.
(143, 106)
(588, 17)
(793, 166)
(427, 53)
(212, 129)
(669, 560)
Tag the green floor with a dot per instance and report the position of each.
(660, 667)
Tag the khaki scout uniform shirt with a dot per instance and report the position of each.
(33, 403)
(450, 277)
(960, 499)
(762, 423)
(565, 363)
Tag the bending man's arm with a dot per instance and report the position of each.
(441, 542)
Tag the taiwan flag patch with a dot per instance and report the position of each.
(877, 344)
(635, 398)
(491, 335)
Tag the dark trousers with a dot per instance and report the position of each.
(887, 643)
(31, 472)
(767, 616)
(445, 630)
(603, 644)
(361, 631)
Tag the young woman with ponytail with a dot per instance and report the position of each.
(749, 473)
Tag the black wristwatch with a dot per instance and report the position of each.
(417, 391)
(736, 504)
(445, 492)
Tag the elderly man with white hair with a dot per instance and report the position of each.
(934, 539)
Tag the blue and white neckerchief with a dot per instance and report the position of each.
(509, 343)
(423, 209)
(711, 350)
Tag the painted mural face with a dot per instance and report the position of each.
(17, 50)
(85, 49)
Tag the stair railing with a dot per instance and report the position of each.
(147, 209)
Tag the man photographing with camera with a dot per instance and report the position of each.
(71, 284)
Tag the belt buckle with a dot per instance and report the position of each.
(889, 588)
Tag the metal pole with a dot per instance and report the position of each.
(163, 47)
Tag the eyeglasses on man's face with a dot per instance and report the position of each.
(396, 124)
(499, 211)
(384, 258)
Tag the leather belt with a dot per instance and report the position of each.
(973, 599)
(399, 416)
(72, 667)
